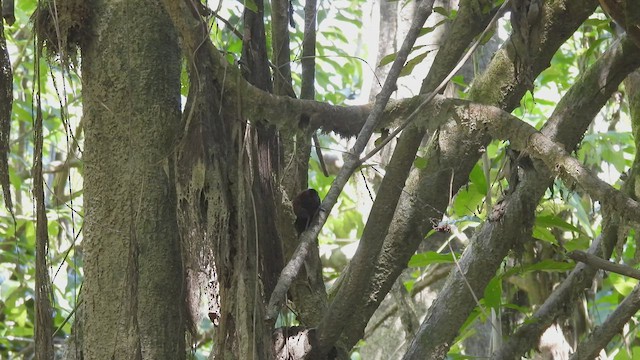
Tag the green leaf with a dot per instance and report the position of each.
(465, 329)
(341, 16)
(493, 292)
(408, 285)
(544, 234)
(321, 15)
(387, 59)
(428, 29)
(430, 257)
(411, 64)
(622, 284)
(420, 162)
(485, 39)
(459, 80)
(251, 5)
(596, 22)
(555, 221)
(469, 200)
(578, 243)
(440, 10)
(546, 265)
(477, 178)
(581, 213)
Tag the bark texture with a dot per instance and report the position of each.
(133, 293)
(229, 179)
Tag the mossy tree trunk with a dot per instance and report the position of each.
(133, 293)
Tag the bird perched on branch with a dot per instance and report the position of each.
(305, 206)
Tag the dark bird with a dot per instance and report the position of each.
(305, 207)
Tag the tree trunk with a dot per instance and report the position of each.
(133, 293)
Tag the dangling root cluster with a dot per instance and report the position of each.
(61, 26)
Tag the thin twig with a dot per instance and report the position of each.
(590, 347)
(418, 110)
(352, 161)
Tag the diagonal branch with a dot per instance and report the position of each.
(363, 111)
(494, 239)
(590, 93)
(327, 334)
(525, 138)
(468, 24)
(280, 111)
(454, 153)
(590, 347)
(600, 263)
(43, 331)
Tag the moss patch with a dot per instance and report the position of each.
(62, 26)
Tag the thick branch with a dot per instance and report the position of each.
(627, 14)
(319, 118)
(43, 319)
(340, 311)
(582, 275)
(403, 156)
(598, 339)
(590, 347)
(600, 263)
(280, 111)
(308, 61)
(352, 162)
(570, 119)
(525, 138)
(280, 47)
(455, 152)
(495, 238)
(468, 24)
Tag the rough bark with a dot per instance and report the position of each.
(234, 246)
(43, 311)
(598, 339)
(133, 293)
(424, 195)
(489, 244)
(571, 118)
(341, 309)
(266, 150)
(217, 207)
(469, 23)
(6, 99)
